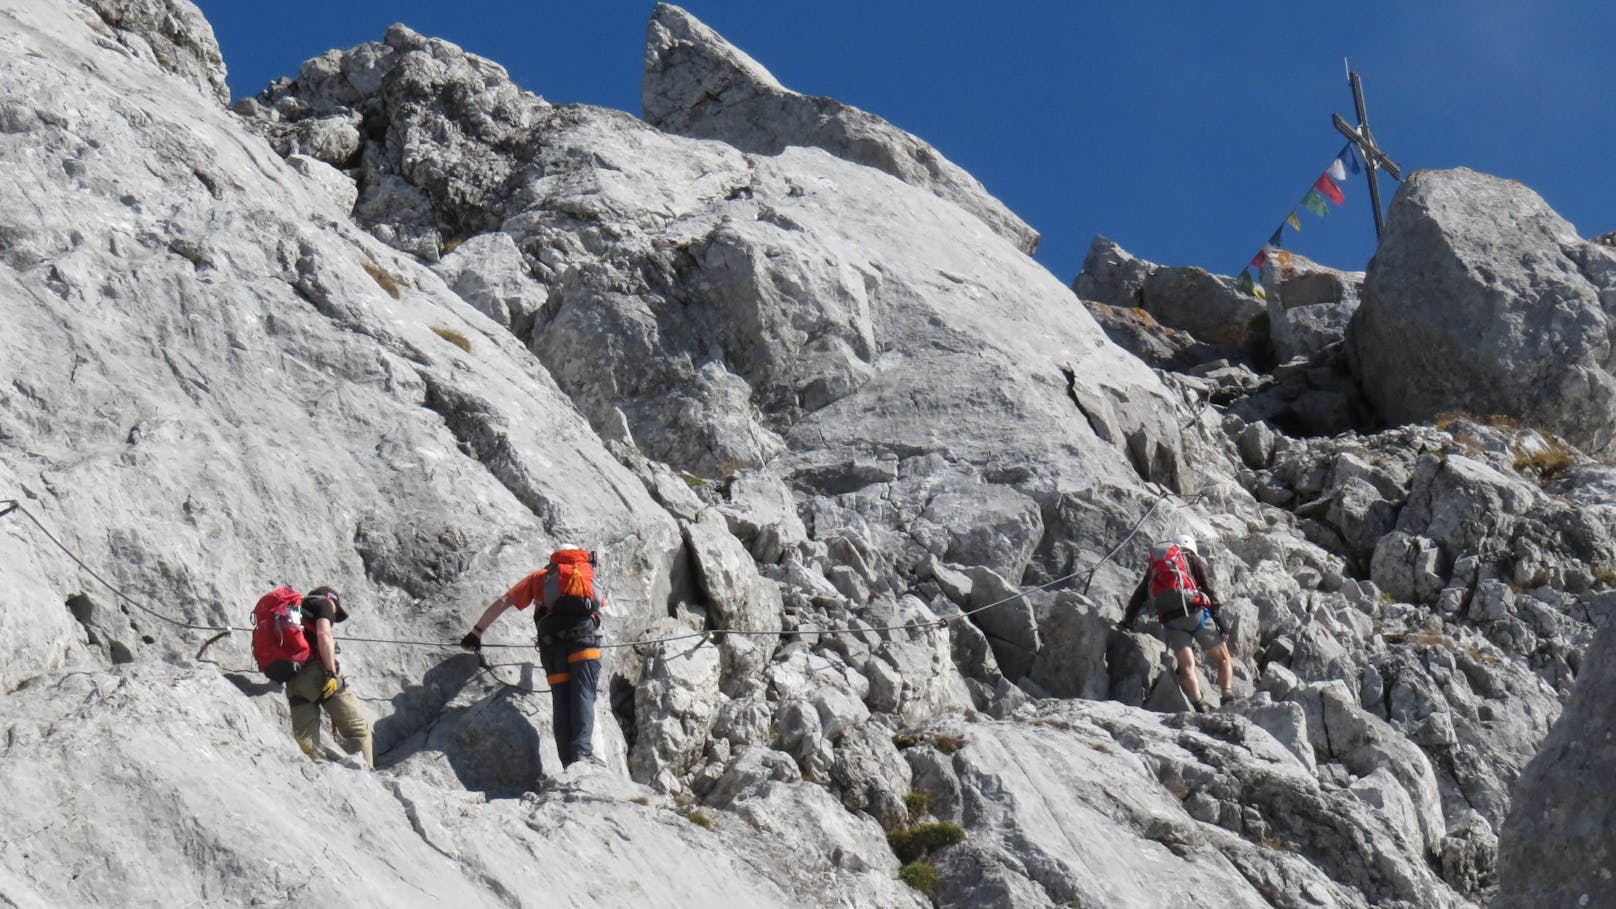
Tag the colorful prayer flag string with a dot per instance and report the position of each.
(1327, 186)
(1329, 190)
(1246, 286)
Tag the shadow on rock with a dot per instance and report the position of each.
(252, 686)
(491, 746)
(419, 706)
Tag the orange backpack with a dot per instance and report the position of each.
(569, 584)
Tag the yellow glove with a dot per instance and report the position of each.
(332, 686)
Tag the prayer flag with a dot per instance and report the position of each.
(1278, 239)
(1314, 203)
(1352, 158)
(1327, 186)
(1243, 283)
(1259, 258)
(1337, 171)
(1293, 221)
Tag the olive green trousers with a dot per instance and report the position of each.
(303, 694)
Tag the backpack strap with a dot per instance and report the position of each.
(550, 589)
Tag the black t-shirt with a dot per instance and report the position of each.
(313, 609)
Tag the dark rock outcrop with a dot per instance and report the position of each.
(1559, 843)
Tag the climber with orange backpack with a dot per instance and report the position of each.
(568, 622)
(293, 644)
(1177, 587)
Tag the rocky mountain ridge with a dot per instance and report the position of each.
(399, 326)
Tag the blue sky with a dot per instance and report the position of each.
(1184, 131)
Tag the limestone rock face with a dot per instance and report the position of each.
(1137, 331)
(698, 84)
(1561, 832)
(259, 393)
(489, 272)
(416, 193)
(1228, 815)
(398, 326)
(1183, 297)
(171, 34)
(1309, 305)
(740, 310)
(1482, 300)
(204, 779)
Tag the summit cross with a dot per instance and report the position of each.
(1374, 159)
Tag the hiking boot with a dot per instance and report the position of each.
(1200, 707)
(1226, 695)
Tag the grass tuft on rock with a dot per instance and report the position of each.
(1545, 460)
(947, 744)
(700, 820)
(380, 275)
(918, 803)
(920, 875)
(921, 840)
(453, 337)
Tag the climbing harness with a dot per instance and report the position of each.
(8, 506)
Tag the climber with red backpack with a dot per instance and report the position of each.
(293, 644)
(1176, 585)
(568, 621)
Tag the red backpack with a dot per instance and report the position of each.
(1170, 573)
(279, 645)
(569, 584)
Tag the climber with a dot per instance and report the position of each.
(307, 663)
(568, 622)
(1177, 587)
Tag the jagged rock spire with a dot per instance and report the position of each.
(698, 84)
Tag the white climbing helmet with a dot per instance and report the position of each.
(1185, 542)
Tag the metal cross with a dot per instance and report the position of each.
(1374, 159)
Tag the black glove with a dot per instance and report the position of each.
(473, 641)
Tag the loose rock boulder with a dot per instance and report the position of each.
(1482, 300)
(1183, 297)
(1309, 305)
